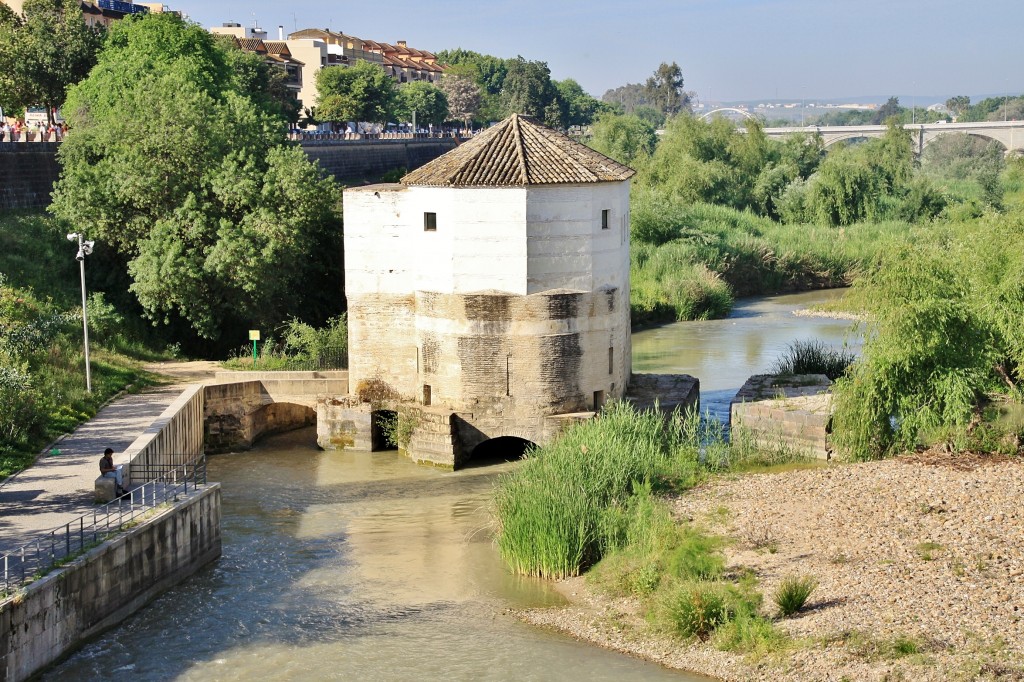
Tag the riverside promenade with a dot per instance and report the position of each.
(59, 488)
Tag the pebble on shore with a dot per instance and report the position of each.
(929, 549)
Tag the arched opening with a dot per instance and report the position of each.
(498, 450)
(382, 430)
(843, 142)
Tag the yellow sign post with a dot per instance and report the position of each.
(254, 336)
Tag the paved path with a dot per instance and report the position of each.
(59, 488)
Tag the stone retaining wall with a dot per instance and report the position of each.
(356, 160)
(60, 611)
(28, 170)
(27, 173)
(791, 412)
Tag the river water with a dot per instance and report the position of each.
(352, 565)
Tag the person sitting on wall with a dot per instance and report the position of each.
(108, 470)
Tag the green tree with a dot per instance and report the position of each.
(428, 101)
(463, 97)
(958, 105)
(886, 111)
(665, 90)
(580, 108)
(627, 139)
(528, 90)
(43, 51)
(361, 92)
(188, 178)
(629, 97)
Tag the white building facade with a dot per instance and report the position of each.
(493, 284)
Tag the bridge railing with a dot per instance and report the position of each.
(34, 559)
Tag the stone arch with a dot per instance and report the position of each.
(846, 137)
(745, 114)
(499, 449)
(280, 417)
(932, 135)
(379, 439)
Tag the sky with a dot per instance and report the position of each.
(727, 50)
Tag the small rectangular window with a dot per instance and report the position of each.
(430, 222)
(611, 359)
(605, 213)
(426, 394)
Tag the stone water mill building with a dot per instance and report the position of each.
(488, 295)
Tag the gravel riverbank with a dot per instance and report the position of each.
(920, 563)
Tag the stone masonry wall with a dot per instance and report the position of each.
(27, 173)
(791, 412)
(60, 611)
(28, 170)
(358, 159)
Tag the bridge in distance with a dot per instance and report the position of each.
(1008, 133)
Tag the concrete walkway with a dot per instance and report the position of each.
(59, 488)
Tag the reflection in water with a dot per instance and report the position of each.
(358, 565)
(724, 353)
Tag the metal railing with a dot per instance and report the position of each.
(35, 559)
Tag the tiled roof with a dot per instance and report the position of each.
(251, 45)
(515, 153)
(277, 47)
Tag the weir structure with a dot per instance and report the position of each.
(488, 296)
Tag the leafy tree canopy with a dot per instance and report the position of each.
(428, 101)
(43, 51)
(663, 92)
(176, 165)
(463, 96)
(528, 90)
(578, 107)
(361, 92)
(886, 111)
(627, 139)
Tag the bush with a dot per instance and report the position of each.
(942, 331)
(302, 348)
(696, 609)
(793, 593)
(813, 357)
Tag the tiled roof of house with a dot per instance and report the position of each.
(277, 47)
(251, 45)
(515, 153)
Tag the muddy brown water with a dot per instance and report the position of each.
(351, 565)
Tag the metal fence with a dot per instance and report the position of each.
(36, 558)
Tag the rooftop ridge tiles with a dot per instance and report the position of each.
(518, 152)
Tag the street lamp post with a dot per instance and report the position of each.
(84, 249)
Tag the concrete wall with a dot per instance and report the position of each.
(358, 159)
(58, 612)
(177, 431)
(27, 173)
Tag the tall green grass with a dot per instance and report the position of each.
(553, 510)
(813, 357)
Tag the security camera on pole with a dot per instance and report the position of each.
(84, 249)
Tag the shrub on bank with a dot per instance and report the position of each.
(813, 357)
